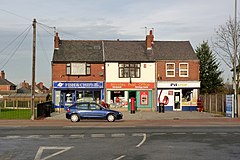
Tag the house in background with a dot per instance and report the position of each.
(6, 85)
(41, 88)
(26, 88)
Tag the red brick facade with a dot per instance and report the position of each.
(193, 70)
(59, 73)
(5, 88)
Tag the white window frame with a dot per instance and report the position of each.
(183, 70)
(78, 69)
(170, 70)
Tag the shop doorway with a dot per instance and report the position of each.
(177, 101)
(67, 98)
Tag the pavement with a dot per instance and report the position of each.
(140, 118)
(148, 115)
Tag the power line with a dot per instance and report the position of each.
(15, 14)
(41, 26)
(14, 52)
(46, 25)
(70, 35)
(15, 39)
(41, 45)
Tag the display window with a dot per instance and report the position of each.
(118, 99)
(187, 95)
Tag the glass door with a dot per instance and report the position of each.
(177, 101)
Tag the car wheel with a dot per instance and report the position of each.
(75, 118)
(111, 118)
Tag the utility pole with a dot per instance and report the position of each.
(33, 69)
(234, 110)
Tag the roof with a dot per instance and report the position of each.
(173, 50)
(6, 82)
(44, 88)
(116, 51)
(78, 51)
(126, 51)
(24, 90)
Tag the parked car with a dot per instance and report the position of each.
(91, 110)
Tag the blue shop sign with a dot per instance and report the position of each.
(78, 84)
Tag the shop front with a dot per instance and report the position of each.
(67, 93)
(178, 95)
(120, 95)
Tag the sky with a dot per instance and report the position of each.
(171, 20)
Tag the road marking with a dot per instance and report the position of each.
(118, 135)
(41, 149)
(12, 137)
(200, 133)
(220, 133)
(77, 136)
(33, 136)
(237, 133)
(97, 135)
(179, 133)
(120, 157)
(143, 140)
(158, 134)
(56, 136)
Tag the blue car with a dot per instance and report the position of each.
(91, 110)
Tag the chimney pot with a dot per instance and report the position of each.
(56, 41)
(2, 74)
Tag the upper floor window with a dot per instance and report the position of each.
(183, 70)
(170, 70)
(127, 70)
(78, 69)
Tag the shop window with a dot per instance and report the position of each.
(84, 96)
(127, 70)
(187, 95)
(170, 70)
(118, 99)
(78, 69)
(183, 70)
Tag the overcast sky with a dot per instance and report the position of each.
(190, 20)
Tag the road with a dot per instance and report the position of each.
(115, 143)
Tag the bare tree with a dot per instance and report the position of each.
(223, 44)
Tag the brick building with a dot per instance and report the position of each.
(177, 75)
(118, 70)
(77, 71)
(6, 85)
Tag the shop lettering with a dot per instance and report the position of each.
(180, 85)
(78, 85)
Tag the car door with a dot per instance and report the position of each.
(83, 110)
(96, 111)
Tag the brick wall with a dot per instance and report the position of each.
(193, 72)
(59, 73)
(4, 88)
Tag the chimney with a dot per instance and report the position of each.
(2, 74)
(41, 85)
(149, 40)
(56, 41)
